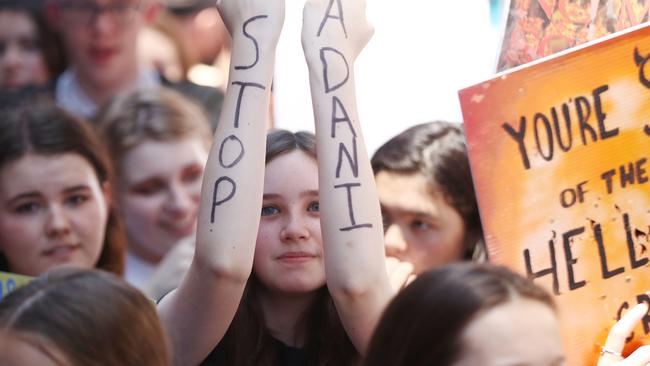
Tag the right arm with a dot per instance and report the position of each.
(199, 312)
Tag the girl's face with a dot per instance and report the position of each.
(21, 60)
(160, 190)
(520, 332)
(53, 212)
(289, 250)
(420, 226)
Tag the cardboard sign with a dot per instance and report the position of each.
(538, 28)
(560, 156)
(11, 281)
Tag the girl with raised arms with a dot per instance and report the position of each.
(265, 288)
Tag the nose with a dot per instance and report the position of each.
(394, 241)
(179, 201)
(294, 229)
(102, 21)
(11, 57)
(58, 222)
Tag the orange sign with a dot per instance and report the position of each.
(560, 155)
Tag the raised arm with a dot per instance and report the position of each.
(333, 34)
(199, 312)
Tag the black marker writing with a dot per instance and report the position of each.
(238, 158)
(243, 85)
(328, 16)
(215, 191)
(352, 159)
(338, 106)
(326, 79)
(249, 36)
(348, 188)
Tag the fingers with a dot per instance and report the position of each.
(399, 273)
(616, 340)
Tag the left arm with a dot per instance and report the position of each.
(351, 223)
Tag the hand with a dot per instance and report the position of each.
(170, 271)
(348, 32)
(611, 354)
(235, 13)
(400, 274)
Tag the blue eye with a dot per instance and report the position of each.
(27, 207)
(314, 207)
(269, 210)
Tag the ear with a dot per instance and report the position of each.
(150, 11)
(108, 196)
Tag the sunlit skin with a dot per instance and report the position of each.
(289, 249)
(103, 51)
(421, 227)
(53, 212)
(17, 350)
(159, 194)
(21, 61)
(519, 332)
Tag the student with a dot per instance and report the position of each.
(77, 317)
(55, 194)
(30, 52)
(477, 314)
(291, 313)
(427, 197)
(159, 142)
(101, 38)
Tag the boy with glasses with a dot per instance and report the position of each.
(101, 37)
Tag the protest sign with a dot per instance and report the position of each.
(560, 152)
(10, 282)
(538, 28)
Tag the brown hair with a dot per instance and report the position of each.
(423, 324)
(40, 127)
(157, 114)
(247, 341)
(437, 151)
(93, 317)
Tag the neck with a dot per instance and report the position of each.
(283, 314)
(143, 254)
(100, 92)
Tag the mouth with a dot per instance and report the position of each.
(61, 251)
(296, 257)
(180, 229)
(102, 55)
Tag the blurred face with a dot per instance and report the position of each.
(520, 332)
(100, 37)
(21, 60)
(53, 213)
(420, 227)
(160, 190)
(289, 251)
(16, 351)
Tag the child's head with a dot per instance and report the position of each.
(55, 194)
(80, 317)
(288, 253)
(427, 196)
(159, 142)
(468, 314)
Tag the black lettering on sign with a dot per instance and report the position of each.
(337, 105)
(329, 16)
(644, 298)
(600, 115)
(549, 136)
(217, 202)
(243, 85)
(238, 158)
(634, 262)
(567, 239)
(249, 36)
(567, 124)
(352, 160)
(606, 272)
(326, 79)
(519, 138)
(552, 270)
(354, 225)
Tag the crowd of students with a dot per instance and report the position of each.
(259, 247)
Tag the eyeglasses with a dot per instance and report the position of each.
(79, 12)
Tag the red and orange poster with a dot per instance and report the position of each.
(538, 28)
(560, 155)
